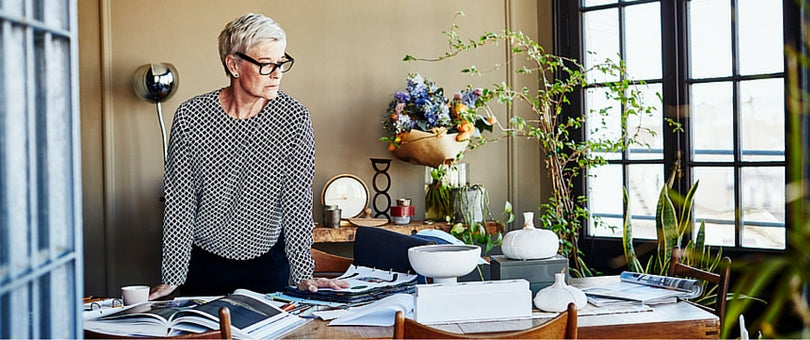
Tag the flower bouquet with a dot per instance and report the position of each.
(423, 127)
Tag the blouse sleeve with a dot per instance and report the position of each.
(297, 202)
(179, 209)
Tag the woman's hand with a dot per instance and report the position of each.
(313, 284)
(160, 291)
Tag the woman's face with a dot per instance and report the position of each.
(264, 86)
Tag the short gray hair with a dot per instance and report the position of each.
(241, 34)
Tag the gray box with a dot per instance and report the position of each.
(539, 273)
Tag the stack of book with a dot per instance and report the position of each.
(365, 284)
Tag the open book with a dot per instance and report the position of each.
(252, 316)
(643, 288)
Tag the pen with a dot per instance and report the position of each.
(91, 299)
(288, 307)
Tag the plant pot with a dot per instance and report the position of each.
(429, 149)
(468, 203)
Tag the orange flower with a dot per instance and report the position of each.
(492, 120)
(463, 136)
(392, 147)
(465, 126)
(457, 107)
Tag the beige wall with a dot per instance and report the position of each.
(348, 63)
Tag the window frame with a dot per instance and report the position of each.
(675, 84)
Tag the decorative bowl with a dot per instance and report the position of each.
(444, 262)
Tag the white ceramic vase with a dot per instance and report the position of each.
(530, 243)
(556, 297)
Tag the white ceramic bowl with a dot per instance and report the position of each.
(444, 262)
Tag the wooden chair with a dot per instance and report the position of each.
(224, 331)
(563, 326)
(720, 279)
(329, 265)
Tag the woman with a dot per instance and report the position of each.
(238, 180)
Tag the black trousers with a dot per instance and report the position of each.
(210, 274)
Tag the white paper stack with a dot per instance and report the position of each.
(467, 301)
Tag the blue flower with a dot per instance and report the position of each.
(402, 96)
(423, 106)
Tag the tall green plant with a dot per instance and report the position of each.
(669, 229)
(567, 156)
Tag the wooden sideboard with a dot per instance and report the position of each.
(345, 233)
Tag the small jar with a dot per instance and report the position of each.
(402, 214)
(331, 216)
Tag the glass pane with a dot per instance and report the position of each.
(712, 122)
(760, 36)
(646, 181)
(763, 197)
(605, 196)
(609, 227)
(588, 3)
(762, 110)
(56, 14)
(643, 41)
(13, 7)
(714, 204)
(649, 130)
(709, 38)
(603, 122)
(600, 36)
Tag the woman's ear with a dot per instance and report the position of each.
(233, 66)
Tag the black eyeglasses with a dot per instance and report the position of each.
(268, 68)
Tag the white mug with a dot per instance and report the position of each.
(134, 294)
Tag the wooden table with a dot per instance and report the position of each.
(675, 320)
(346, 232)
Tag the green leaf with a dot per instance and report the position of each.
(627, 239)
(666, 224)
(686, 213)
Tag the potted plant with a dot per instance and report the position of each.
(424, 127)
(567, 157)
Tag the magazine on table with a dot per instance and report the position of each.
(643, 288)
(252, 316)
(365, 284)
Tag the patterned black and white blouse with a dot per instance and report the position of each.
(232, 185)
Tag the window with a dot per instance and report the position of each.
(40, 206)
(718, 65)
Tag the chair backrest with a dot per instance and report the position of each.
(563, 326)
(384, 249)
(676, 268)
(329, 265)
(224, 331)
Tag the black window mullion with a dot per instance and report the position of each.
(737, 123)
(675, 90)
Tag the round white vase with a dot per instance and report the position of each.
(530, 243)
(556, 297)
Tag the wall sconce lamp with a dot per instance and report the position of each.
(155, 83)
